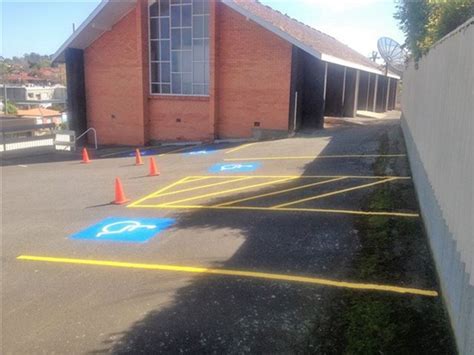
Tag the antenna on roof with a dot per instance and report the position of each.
(374, 56)
(393, 54)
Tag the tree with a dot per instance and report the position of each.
(426, 21)
(11, 108)
(5, 68)
(452, 15)
(37, 61)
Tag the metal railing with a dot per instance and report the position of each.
(26, 136)
(84, 133)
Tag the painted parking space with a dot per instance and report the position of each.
(200, 192)
(290, 240)
(200, 152)
(237, 273)
(243, 167)
(148, 151)
(143, 152)
(312, 157)
(240, 147)
(124, 230)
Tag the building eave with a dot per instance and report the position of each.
(300, 44)
(101, 20)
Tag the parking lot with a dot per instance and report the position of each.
(292, 245)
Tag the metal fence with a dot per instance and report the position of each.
(438, 123)
(18, 134)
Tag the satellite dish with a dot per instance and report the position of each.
(393, 54)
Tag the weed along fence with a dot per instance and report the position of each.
(438, 124)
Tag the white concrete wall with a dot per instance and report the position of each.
(438, 123)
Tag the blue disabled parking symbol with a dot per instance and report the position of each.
(127, 230)
(144, 152)
(200, 152)
(234, 167)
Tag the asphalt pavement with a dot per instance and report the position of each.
(306, 244)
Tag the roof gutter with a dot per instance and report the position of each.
(334, 60)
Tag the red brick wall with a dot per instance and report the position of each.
(254, 72)
(250, 81)
(114, 84)
(164, 111)
(196, 114)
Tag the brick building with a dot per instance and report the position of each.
(166, 70)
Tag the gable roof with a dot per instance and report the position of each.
(312, 41)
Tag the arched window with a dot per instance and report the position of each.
(179, 47)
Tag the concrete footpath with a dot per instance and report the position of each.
(308, 244)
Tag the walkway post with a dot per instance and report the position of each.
(368, 92)
(388, 94)
(375, 92)
(356, 93)
(325, 80)
(295, 111)
(343, 91)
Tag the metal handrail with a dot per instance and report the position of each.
(83, 134)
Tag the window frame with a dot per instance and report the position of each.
(159, 61)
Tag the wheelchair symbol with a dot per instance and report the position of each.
(127, 226)
(197, 152)
(235, 166)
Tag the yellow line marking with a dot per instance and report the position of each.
(240, 147)
(117, 153)
(190, 179)
(284, 209)
(133, 204)
(237, 273)
(194, 178)
(203, 186)
(309, 176)
(231, 190)
(333, 193)
(185, 180)
(320, 157)
(176, 150)
(280, 191)
(132, 150)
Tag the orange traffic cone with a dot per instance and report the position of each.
(120, 198)
(85, 156)
(153, 169)
(138, 157)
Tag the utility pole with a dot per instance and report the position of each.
(4, 79)
(4, 96)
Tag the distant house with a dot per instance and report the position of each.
(33, 95)
(45, 76)
(41, 115)
(141, 71)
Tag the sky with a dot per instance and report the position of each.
(42, 26)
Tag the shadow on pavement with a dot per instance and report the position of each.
(40, 156)
(217, 314)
